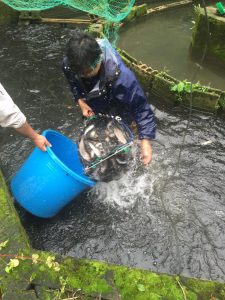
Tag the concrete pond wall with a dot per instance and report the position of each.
(171, 91)
(209, 31)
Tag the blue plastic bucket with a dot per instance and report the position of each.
(48, 181)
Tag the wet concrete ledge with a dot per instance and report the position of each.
(26, 273)
(143, 10)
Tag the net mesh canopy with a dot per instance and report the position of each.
(111, 10)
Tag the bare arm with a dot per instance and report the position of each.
(146, 151)
(39, 140)
(11, 116)
(86, 109)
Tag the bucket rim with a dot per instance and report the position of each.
(86, 181)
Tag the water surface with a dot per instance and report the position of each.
(151, 218)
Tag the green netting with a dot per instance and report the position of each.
(112, 10)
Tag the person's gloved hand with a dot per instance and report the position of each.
(41, 142)
(86, 109)
(146, 151)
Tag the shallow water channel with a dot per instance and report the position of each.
(151, 218)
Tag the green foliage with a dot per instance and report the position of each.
(13, 263)
(32, 277)
(62, 290)
(221, 102)
(35, 258)
(185, 86)
(51, 263)
(197, 9)
(3, 244)
(141, 287)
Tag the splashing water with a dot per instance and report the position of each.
(136, 185)
(124, 192)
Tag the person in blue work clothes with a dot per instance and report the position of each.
(101, 83)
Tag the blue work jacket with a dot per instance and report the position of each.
(115, 92)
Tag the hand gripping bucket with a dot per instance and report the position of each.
(47, 181)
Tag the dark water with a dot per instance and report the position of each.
(162, 41)
(150, 218)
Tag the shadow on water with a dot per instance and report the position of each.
(149, 218)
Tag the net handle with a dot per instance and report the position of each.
(121, 148)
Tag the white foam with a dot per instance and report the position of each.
(135, 186)
(125, 192)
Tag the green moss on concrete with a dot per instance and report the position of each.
(111, 282)
(131, 16)
(162, 84)
(11, 228)
(7, 14)
(203, 97)
(202, 100)
(136, 11)
(221, 102)
(144, 78)
(197, 12)
(142, 10)
(214, 39)
(20, 295)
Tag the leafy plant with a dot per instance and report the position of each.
(3, 244)
(42, 265)
(221, 102)
(51, 263)
(187, 87)
(35, 258)
(141, 287)
(13, 263)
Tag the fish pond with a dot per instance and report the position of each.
(162, 41)
(152, 218)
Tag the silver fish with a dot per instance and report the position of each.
(83, 152)
(89, 128)
(96, 151)
(120, 135)
(121, 161)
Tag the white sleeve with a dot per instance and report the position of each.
(10, 114)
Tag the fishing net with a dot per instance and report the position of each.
(111, 10)
(105, 147)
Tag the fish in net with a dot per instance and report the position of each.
(105, 147)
